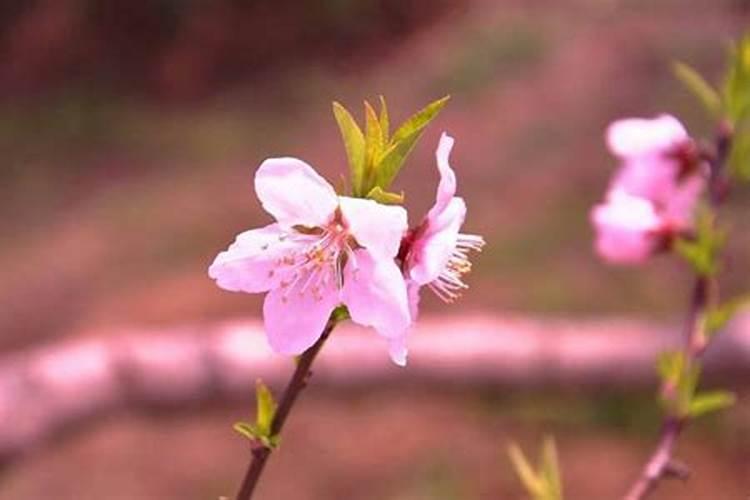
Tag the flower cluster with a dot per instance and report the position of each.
(327, 250)
(653, 196)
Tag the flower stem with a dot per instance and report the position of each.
(302, 373)
(661, 463)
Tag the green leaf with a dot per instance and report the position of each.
(266, 408)
(686, 388)
(550, 468)
(341, 313)
(354, 142)
(246, 429)
(739, 156)
(737, 83)
(544, 483)
(702, 251)
(374, 143)
(385, 197)
(720, 315)
(709, 402)
(699, 87)
(533, 484)
(384, 121)
(403, 141)
(670, 366)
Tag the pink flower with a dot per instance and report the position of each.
(435, 253)
(654, 194)
(656, 153)
(324, 250)
(627, 228)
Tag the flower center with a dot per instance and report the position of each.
(449, 284)
(315, 261)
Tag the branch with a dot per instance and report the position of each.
(48, 391)
(660, 464)
(302, 373)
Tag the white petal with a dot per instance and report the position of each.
(291, 191)
(640, 136)
(447, 186)
(432, 250)
(250, 264)
(377, 227)
(397, 350)
(294, 318)
(375, 293)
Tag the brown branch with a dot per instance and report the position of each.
(660, 463)
(302, 373)
(56, 391)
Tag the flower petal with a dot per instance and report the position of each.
(650, 177)
(447, 186)
(432, 250)
(397, 350)
(250, 264)
(626, 227)
(679, 211)
(294, 317)
(377, 227)
(375, 293)
(641, 136)
(291, 191)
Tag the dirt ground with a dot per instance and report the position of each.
(396, 443)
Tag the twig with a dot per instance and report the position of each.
(661, 463)
(302, 373)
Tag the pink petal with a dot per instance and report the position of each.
(640, 136)
(379, 228)
(294, 317)
(412, 292)
(291, 191)
(375, 293)
(433, 249)
(447, 186)
(625, 227)
(250, 263)
(398, 351)
(651, 177)
(680, 209)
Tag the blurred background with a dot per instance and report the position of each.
(129, 134)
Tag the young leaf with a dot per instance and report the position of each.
(699, 87)
(247, 430)
(720, 315)
(266, 408)
(737, 83)
(533, 484)
(385, 197)
(708, 402)
(384, 121)
(550, 468)
(739, 157)
(545, 482)
(354, 142)
(403, 141)
(702, 251)
(374, 143)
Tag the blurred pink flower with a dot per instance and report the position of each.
(435, 253)
(627, 228)
(656, 153)
(323, 250)
(655, 192)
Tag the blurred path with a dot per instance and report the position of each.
(56, 387)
